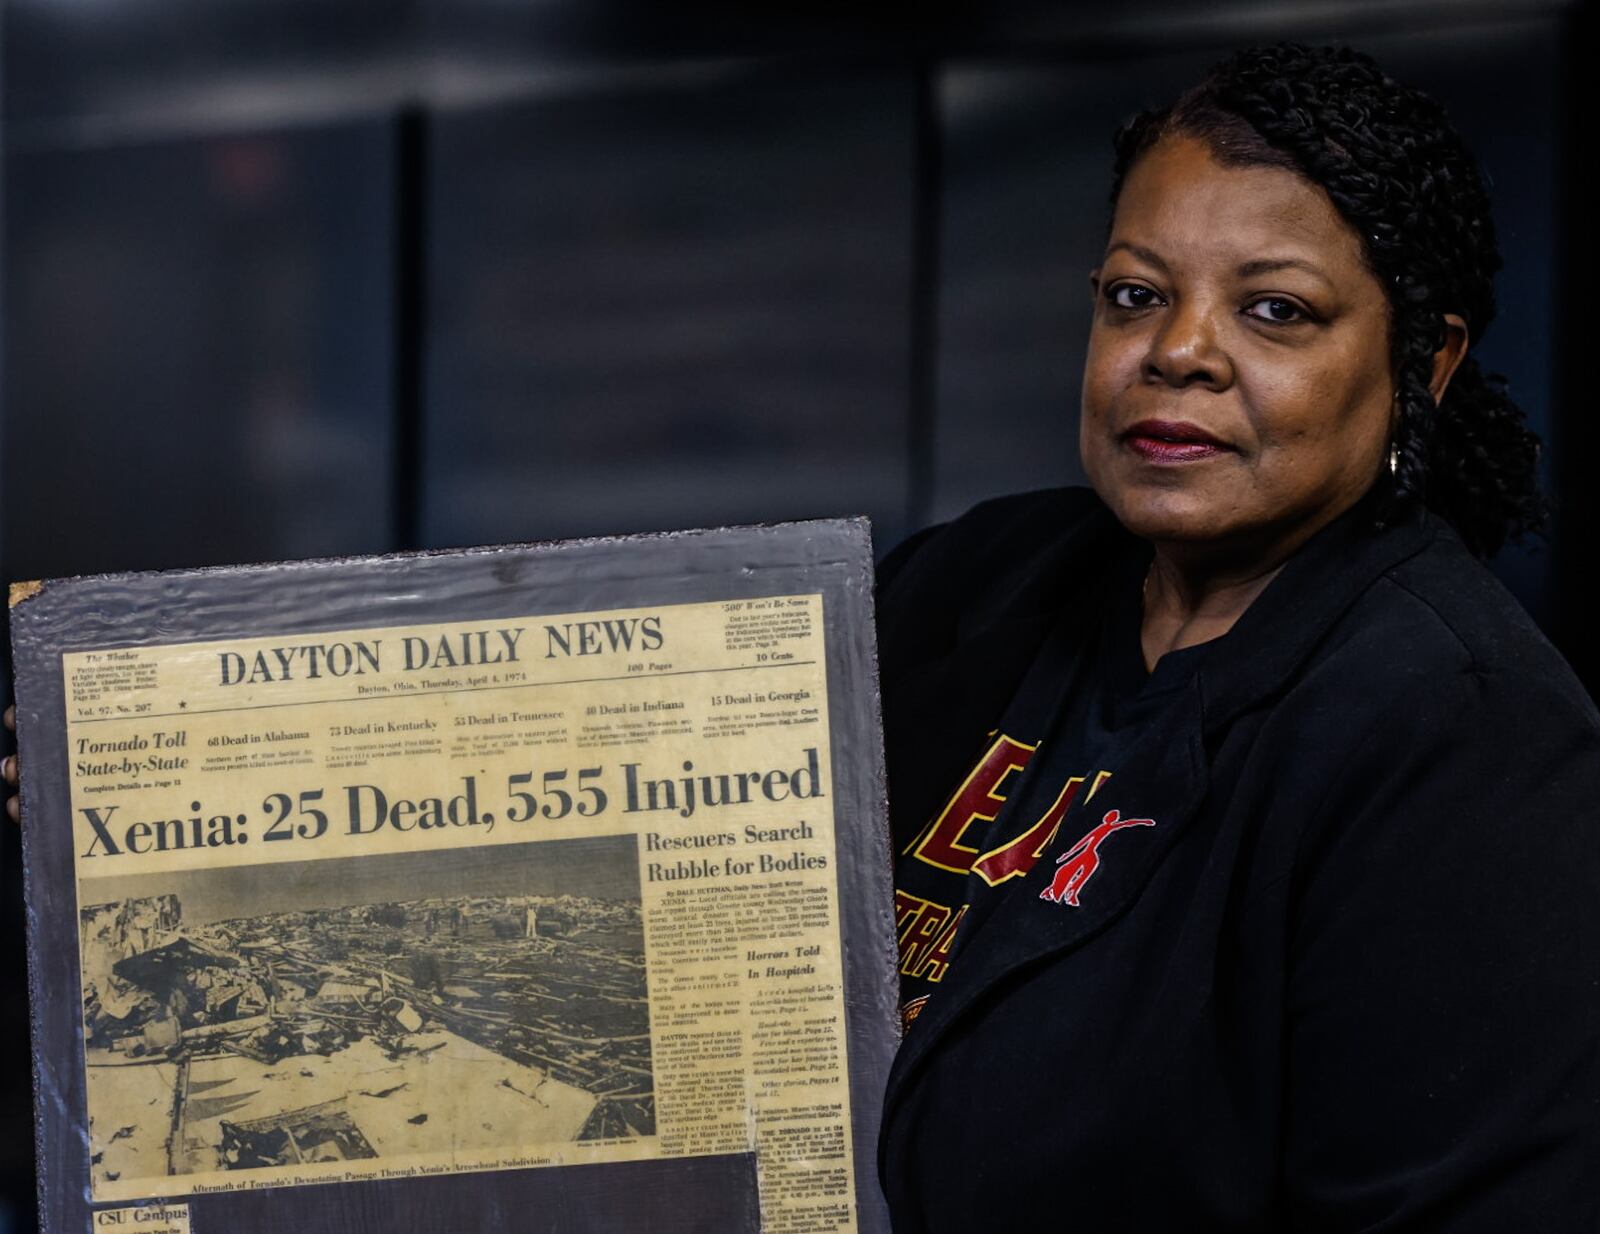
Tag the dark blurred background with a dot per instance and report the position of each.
(285, 278)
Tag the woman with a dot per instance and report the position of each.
(1248, 862)
(1248, 874)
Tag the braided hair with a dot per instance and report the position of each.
(1400, 175)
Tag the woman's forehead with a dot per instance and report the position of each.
(1180, 203)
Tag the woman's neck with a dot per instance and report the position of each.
(1185, 604)
(1196, 589)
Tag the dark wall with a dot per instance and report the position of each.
(198, 359)
(270, 298)
(654, 303)
(284, 278)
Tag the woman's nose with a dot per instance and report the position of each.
(1185, 347)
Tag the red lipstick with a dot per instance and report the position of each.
(1171, 441)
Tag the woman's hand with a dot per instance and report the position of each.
(13, 806)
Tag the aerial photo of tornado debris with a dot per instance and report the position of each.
(379, 1010)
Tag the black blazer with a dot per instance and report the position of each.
(1348, 981)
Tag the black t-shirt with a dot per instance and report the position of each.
(1059, 738)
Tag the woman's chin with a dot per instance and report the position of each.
(1170, 515)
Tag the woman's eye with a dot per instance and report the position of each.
(1277, 310)
(1131, 296)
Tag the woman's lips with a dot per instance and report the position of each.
(1162, 441)
(1158, 451)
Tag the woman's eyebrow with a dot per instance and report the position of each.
(1248, 269)
(1267, 265)
(1139, 251)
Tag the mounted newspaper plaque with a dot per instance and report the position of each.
(539, 886)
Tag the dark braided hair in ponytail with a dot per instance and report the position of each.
(1401, 176)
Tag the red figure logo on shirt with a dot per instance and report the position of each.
(1077, 865)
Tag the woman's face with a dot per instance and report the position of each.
(1237, 394)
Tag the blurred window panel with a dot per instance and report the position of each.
(672, 302)
(147, 66)
(199, 358)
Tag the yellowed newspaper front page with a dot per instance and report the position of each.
(388, 902)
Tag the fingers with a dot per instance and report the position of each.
(8, 770)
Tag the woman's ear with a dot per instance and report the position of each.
(1450, 354)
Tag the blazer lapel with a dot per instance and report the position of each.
(1315, 587)
(938, 715)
